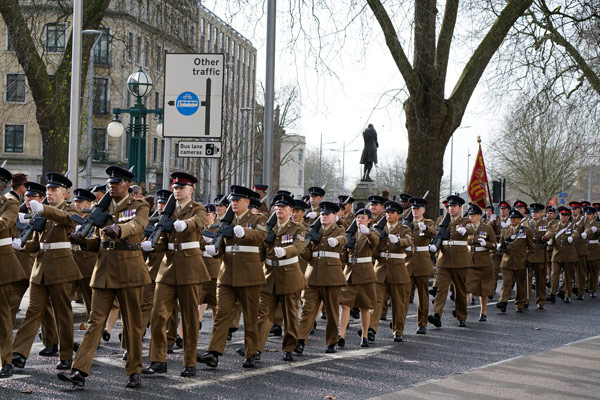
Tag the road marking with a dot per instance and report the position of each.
(283, 367)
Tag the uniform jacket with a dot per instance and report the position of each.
(563, 250)
(85, 260)
(309, 221)
(121, 268)
(418, 263)
(539, 229)
(285, 279)
(11, 267)
(456, 256)
(515, 256)
(593, 248)
(348, 218)
(54, 266)
(183, 267)
(358, 273)
(213, 264)
(244, 268)
(393, 270)
(482, 258)
(580, 243)
(326, 271)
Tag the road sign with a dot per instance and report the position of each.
(562, 200)
(193, 95)
(563, 194)
(199, 149)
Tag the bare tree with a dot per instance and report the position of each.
(328, 170)
(389, 173)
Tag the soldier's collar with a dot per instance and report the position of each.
(120, 202)
(182, 205)
(242, 215)
(392, 226)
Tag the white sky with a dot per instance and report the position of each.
(341, 108)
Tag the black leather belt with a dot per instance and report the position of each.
(110, 244)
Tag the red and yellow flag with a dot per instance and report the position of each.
(478, 181)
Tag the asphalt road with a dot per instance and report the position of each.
(385, 368)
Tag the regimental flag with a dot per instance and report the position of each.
(478, 181)
(552, 201)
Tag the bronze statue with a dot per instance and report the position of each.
(369, 153)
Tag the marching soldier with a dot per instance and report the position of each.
(11, 271)
(359, 291)
(180, 277)
(405, 203)
(418, 262)
(348, 215)
(498, 224)
(316, 197)
(521, 207)
(262, 192)
(54, 273)
(581, 270)
(453, 264)
(119, 272)
(593, 234)
(240, 278)
(298, 217)
(517, 241)
(209, 289)
(564, 256)
(376, 207)
(324, 277)
(284, 277)
(539, 256)
(99, 191)
(480, 277)
(391, 274)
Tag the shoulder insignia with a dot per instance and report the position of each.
(300, 237)
(262, 227)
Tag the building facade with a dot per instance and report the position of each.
(291, 168)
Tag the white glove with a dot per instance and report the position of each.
(422, 226)
(594, 229)
(16, 244)
(77, 228)
(311, 215)
(481, 241)
(363, 229)
(498, 245)
(393, 239)
(207, 239)
(583, 235)
(570, 239)
(504, 224)
(180, 226)
(279, 252)
(462, 230)
(432, 248)
(239, 231)
(36, 206)
(147, 245)
(211, 250)
(493, 217)
(25, 221)
(549, 242)
(332, 242)
(337, 218)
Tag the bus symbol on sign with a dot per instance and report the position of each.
(187, 103)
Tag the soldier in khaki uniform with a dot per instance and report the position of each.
(298, 217)
(34, 191)
(213, 264)
(453, 264)
(498, 224)
(593, 234)
(517, 240)
(561, 236)
(54, 273)
(480, 277)
(392, 277)
(348, 215)
(581, 270)
(11, 271)
(262, 192)
(376, 207)
(405, 203)
(418, 261)
(538, 257)
(180, 277)
(285, 279)
(324, 277)
(316, 197)
(240, 277)
(86, 260)
(119, 272)
(359, 291)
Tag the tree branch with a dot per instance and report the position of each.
(445, 39)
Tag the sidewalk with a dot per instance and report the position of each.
(570, 371)
(78, 311)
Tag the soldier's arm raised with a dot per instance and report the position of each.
(257, 234)
(297, 247)
(196, 222)
(10, 214)
(138, 223)
(62, 217)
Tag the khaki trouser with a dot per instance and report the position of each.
(86, 294)
(6, 325)
(39, 296)
(458, 277)
(49, 330)
(509, 278)
(593, 270)
(249, 297)
(496, 261)
(539, 271)
(236, 313)
(130, 300)
(567, 268)
(400, 294)
(582, 274)
(278, 318)
(421, 283)
(287, 304)
(165, 298)
(311, 300)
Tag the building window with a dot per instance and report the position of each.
(55, 38)
(129, 46)
(156, 99)
(154, 151)
(15, 88)
(300, 155)
(162, 153)
(9, 43)
(99, 148)
(192, 35)
(300, 177)
(14, 138)
(138, 50)
(158, 54)
(101, 50)
(100, 96)
(158, 16)
(146, 52)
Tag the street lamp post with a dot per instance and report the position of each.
(452, 154)
(139, 85)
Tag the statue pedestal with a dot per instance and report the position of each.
(363, 190)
